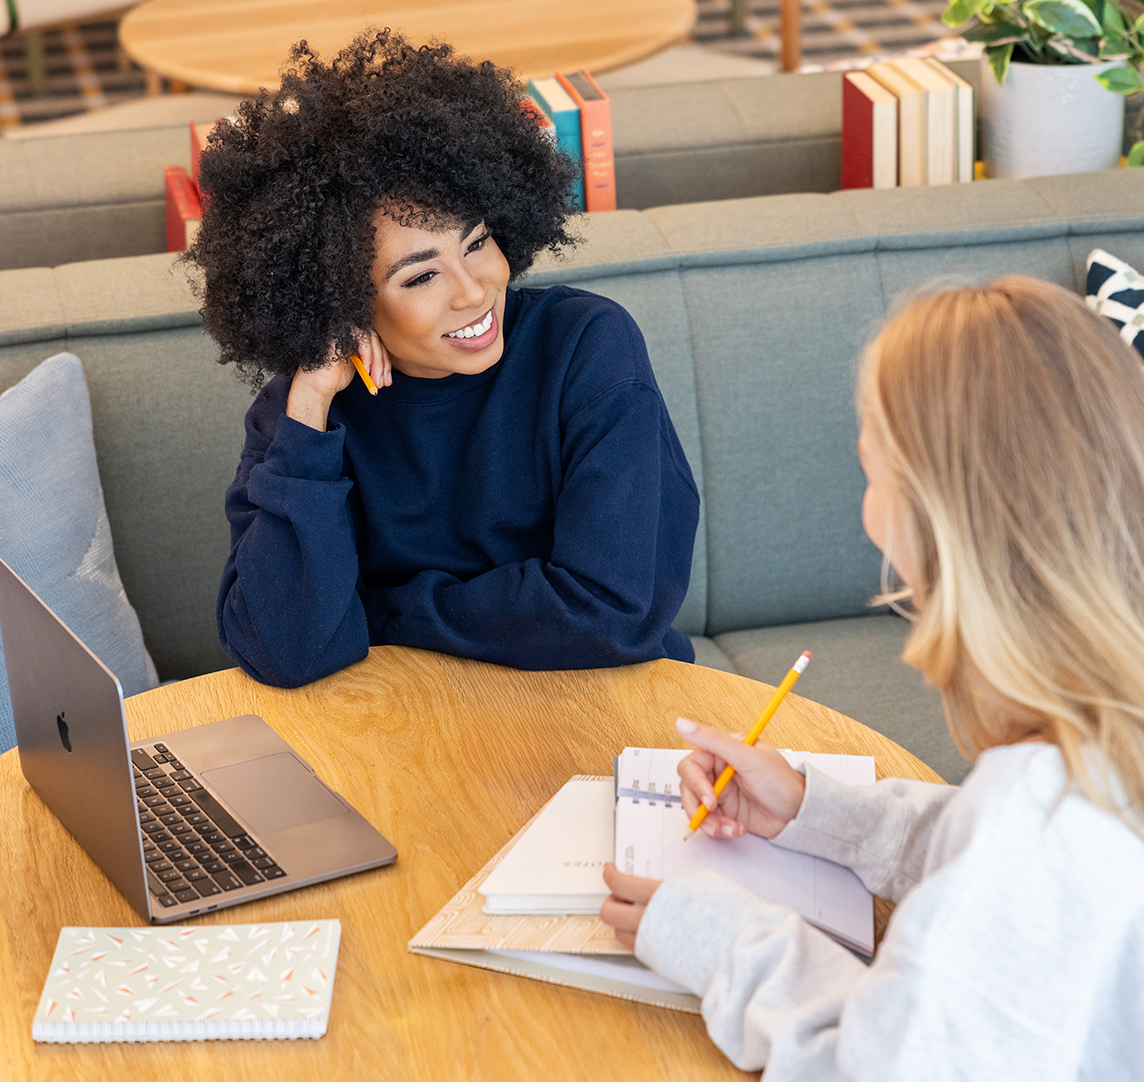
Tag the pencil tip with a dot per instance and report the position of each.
(687, 836)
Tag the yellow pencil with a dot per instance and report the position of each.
(369, 384)
(756, 731)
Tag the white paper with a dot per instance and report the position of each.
(651, 824)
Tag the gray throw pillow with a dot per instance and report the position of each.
(54, 531)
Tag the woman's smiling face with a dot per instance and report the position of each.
(440, 298)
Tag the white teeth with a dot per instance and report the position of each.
(474, 329)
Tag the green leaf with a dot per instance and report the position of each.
(999, 58)
(996, 34)
(1120, 80)
(1071, 18)
(1136, 155)
(1113, 19)
(961, 11)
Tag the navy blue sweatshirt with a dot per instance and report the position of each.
(540, 514)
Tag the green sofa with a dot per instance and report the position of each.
(722, 139)
(754, 312)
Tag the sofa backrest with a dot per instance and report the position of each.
(754, 312)
(99, 195)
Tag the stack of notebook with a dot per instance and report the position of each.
(533, 909)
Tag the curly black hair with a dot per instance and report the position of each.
(291, 187)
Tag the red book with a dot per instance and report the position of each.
(183, 210)
(596, 129)
(869, 133)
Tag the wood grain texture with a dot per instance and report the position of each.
(240, 45)
(448, 757)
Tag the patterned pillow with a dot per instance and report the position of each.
(1115, 290)
(54, 531)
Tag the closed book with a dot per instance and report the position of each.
(532, 108)
(596, 134)
(939, 107)
(564, 113)
(912, 170)
(557, 865)
(222, 982)
(869, 133)
(965, 124)
(199, 133)
(184, 213)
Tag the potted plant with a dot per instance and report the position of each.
(1053, 103)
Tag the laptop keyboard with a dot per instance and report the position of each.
(193, 847)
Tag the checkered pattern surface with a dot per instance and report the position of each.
(1116, 290)
(66, 70)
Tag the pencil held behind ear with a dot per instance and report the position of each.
(762, 796)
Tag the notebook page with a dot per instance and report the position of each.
(650, 828)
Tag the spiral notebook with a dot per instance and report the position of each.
(224, 982)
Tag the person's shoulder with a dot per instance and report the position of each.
(569, 306)
(268, 406)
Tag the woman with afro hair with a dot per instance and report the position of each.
(515, 491)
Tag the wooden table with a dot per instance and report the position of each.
(240, 45)
(448, 757)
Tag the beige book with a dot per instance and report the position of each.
(939, 106)
(965, 124)
(912, 170)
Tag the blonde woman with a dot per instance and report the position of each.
(1003, 445)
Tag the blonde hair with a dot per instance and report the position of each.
(1012, 420)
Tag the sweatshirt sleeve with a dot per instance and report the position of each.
(625, 518)
(288, 608)
(881, 831)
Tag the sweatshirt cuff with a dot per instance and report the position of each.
(689, 927)
(298, 450)
(833, 820)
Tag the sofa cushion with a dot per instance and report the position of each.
(1116, 290)
(54, 530)
(857, 669)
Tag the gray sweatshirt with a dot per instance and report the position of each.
(1016, 950)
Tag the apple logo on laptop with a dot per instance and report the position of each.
(63, 728)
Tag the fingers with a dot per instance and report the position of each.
(375, 358)
(728, 747)
(625, 908)
(629, 888)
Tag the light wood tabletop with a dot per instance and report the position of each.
(241, 45)
(448, 758)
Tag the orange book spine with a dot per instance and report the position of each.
(596, 129)
(183, 208)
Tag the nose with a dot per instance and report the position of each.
(470, 291)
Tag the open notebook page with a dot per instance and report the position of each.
(651, 823)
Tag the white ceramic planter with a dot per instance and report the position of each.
(1047, 119)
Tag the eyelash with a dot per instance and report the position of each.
(428, 276)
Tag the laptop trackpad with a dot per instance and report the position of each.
(274, 793)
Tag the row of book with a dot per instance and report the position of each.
(907, 122)
(578, 115)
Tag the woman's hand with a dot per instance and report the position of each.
(763, 795)
(312, 392)
(625, 908)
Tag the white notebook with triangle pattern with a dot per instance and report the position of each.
(221, 982)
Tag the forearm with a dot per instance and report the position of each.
(772, 987)
(880, 831)
(288, 610)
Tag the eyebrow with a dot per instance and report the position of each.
(409, 260)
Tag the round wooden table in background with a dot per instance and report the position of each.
(448, 758)
(240, 45)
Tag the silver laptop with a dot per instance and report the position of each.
(182, 824)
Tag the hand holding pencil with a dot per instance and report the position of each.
(731, 786)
